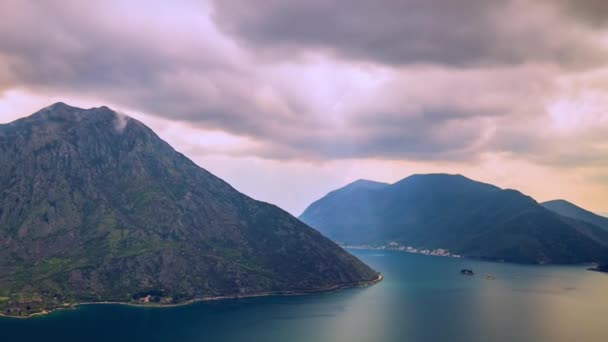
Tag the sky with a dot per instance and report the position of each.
(288, 100)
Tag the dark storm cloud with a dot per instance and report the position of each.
(450, 32)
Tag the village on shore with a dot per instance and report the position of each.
(395, 246)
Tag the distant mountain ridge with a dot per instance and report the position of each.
(94, 206)
(451, 211)
(571, 210)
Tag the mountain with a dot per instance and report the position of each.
(568, 209)
(453, 212)
(94, 206)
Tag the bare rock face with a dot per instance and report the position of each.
(96, 207)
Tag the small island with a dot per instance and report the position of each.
(600, 268)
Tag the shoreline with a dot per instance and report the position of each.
(586, 265)
(438, 252)
(598, 269)
(330, 289)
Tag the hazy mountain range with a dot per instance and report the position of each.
(96, 207)
(467, 217)
(568, 209)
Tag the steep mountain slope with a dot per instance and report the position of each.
(95, 207)
(456, 213)
(568, 209)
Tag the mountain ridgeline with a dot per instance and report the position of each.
(94, 206)
(453, 212)
(567, 209)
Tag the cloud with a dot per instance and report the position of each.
(121, 121)
(462, 33)
(594, 12)
(138, 60)
(428, 113)
(322, 80)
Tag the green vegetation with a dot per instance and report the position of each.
(570, 210)
(90, 213)
(452, 212)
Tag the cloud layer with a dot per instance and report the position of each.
(464, 33)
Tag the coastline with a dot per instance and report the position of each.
(396, 247)
(594, 267)
(330, 289)
(598, 269)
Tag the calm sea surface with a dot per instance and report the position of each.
(422, 298)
